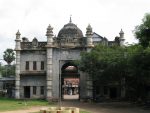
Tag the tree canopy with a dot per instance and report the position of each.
(9, 56)
(103, 61)
(111, 64)
(142, 31)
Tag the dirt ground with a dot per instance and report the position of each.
(111, 107)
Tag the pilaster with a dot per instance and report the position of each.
(89, 86)
(49, 77)
(89, 81)
(17, 77)
(49, 73)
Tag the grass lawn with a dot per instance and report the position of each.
(13, 104)
(7, 104)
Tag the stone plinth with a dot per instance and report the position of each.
(60, 110)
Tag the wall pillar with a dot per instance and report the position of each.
(89, 80)
(17, 78)
(89, 85)
(49, 74)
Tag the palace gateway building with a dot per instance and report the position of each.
(47, 69)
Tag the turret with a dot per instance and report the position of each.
(18, 40)
(49, 35)
(89, 35)
(121, 38)
(121, 34)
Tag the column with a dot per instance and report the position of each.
(49, 76)
(17, 78)
(49, 73)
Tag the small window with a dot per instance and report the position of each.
(34, 90)
(42, 65)
(42, 90)
(27, 65)
(34, 65)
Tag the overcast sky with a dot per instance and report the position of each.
(32, 17)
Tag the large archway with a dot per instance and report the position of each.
(70, 79)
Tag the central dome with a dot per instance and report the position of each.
(70, 30)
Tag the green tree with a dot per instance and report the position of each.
(104, 64)
(139, 79)
(113, 64)
(102, 58)
(9, 56)
(7, 70)
(142, 31)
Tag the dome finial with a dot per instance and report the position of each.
(18, 33)
(121, 32)
(70, 19)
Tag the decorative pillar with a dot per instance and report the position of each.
(49, 75)
(17, 77)
(89, 81)
(49, 35)
(89, 35)
(121, 39)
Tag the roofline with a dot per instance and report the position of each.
(98, 34)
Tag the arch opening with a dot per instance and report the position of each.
(70, 79)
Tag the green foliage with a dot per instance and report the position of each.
(139, 66)
(7, 70)
(103, 61)
(111, 64)
(9, 56)
(142, 32)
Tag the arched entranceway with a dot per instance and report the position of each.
(70, 79)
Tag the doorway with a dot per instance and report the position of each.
(70, 82)
(27, 91)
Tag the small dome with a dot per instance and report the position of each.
(121, 32)
(70, 30)
(18, 33)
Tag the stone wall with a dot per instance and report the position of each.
(31, 56)
(33, 80)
